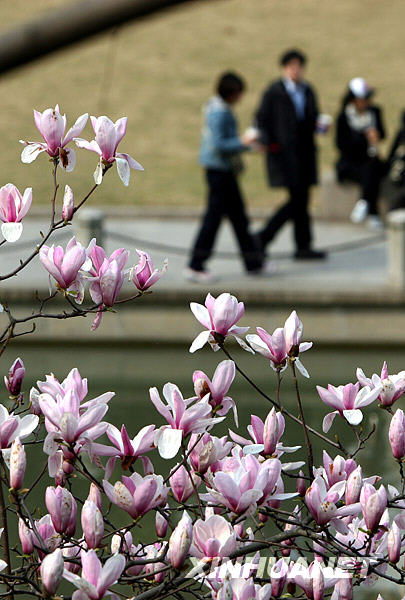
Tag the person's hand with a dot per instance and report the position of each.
(372, 135)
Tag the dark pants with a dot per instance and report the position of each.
(224, 199)
(368, 175)
(296, 210)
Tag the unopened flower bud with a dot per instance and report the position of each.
(25, 536)
(18, 463)
(68, 204)
(92, 524)
(397, 434)
(15, 377)
(160, 524)
(353, 486)
(52, 571)
(180, 541)
(301, 485)
(394, 543)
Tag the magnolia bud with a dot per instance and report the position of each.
(62, 508)
(301, 486)
(373, 504)
(15, 377)
(68, 204)
(397, 434)
(278, 575)
(180, 541)
(25, 536)
(35, 409)
(394, 543)
(160, 524)
(18, 463)
(52, 571)
(273, 429)
(353, 486)
(95, 495)
(92, 524)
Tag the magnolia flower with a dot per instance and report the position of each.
(63, 509)
(183, 484)
(314, 580)
(96, 578)
(92, 524)
(243, 483)
(18, 464)
(137, 495)
(239, 588)
(219, 316)
(13, 207)
(183, 418)
(144, 275)
(206, 451)
(217, 388)
(283, 344)
(107, 137)
(373, 505)
(397, 434)
(180, 541)
(347, 399)
(266, 438)
(392, 386)
(51, 125)
(213, 537)
(65, 266)
(15, 377)
(321, 503)
(12, 426)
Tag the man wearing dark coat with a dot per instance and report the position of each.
(287, 119)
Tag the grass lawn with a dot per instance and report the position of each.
(158, 72)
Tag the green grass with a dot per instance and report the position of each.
(159, 71)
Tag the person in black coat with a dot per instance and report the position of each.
(396, 167)
(359, 130)
(287, 120)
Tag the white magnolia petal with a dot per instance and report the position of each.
(168, 442)
(354, 417)
(243, 344)
(253, 448)
(328, 420)
(98, 173)
(123, 170)
(292, 466)
(11, 231)
(301, 368)
(200, 341)
(30, 152)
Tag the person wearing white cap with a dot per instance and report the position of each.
(359, 130)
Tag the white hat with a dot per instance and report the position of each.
(360, 88)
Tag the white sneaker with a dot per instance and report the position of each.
(374, 223)
(199, 276)
(359, 212)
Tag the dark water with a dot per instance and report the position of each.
(130, 371)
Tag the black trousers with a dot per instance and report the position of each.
(296, 210)
(224, 199)
(368, 175)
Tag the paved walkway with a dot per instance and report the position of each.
(357, 272)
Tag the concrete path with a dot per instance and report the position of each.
(357, 271)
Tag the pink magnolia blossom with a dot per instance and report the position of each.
(12, 426)
(180, 541)
(219, 316)
(278, 577)
(48, 536)
(52, 571)
(182, 484)
(124, 448)
(337, 469)
(63, 509)
(373, 505)
(397, 434)
(392, 386)
(137, 495)
(18, 463)
(13, 207)
(144, 275)
(314, 580)
(217, 388)
(68, 204)
(321, 503)
(92, 524)
(51, 125)
(184, 417)
(161, 524)
(244, 483)
(347, 400)
(15, 377)
(239, 588)
(124, 543)
(96, 578)
(207, 451)
(26, 538)
(286, 342)
(213, 537)
(107, 137)
(266, 438)
(65, 266)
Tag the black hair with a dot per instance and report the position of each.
(292, 54)
(229, 84)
